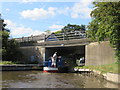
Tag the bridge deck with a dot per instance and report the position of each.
(74, 42)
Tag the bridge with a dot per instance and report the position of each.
(43, 47)
(70, 49)
(55, 40)
(53, 37)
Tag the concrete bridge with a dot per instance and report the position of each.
(70, 50)
(43, 50)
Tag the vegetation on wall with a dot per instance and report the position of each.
(106, 24)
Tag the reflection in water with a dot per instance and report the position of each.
(38, 79)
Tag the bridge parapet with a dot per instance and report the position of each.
(73, 42)
(61, 36)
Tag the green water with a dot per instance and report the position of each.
(39, 79)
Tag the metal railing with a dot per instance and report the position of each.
(69, 36)
(61, 36)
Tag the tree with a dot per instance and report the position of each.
(4, 39)
(71, 27)
(3, 27)
(58, 32)
(10, 51)
(48, 32)
(83, 27)
(105, 24)
(13, 52)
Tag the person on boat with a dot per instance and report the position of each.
(54, 58)
(49, 62)
(82, 60)
(59, 61)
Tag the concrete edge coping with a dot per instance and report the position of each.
(21, 65)
(112, 77)
(82, 69)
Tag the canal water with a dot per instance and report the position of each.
(39, 79)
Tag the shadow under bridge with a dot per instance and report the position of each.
(69, 54)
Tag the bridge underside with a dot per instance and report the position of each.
(71, 53)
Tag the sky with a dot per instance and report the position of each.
(32, 17)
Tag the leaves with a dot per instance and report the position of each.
(71, 27)
(106, 23)
(9, 47)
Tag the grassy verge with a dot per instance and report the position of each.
(17, 62)
(7, 62)
(113, 68)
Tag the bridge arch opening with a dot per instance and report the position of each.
(69, 53)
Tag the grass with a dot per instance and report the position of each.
(7, 62)
(112, 68)
(16, 62)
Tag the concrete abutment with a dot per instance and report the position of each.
(99, 53)
(33, 53)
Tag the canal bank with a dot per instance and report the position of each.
(111, 77)
(21, 67)
(35, 78)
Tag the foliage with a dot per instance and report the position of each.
(13, 52)
(17, 62)
(71, 27)
(10, 49)
(5, 36)
(7, 62)
(3, 27)
(58, 32)
(105, 24)
(4, 39)
(48, 32)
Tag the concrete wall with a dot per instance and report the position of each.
(33, 53)
(99, 54)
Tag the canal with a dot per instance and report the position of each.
(39, 79)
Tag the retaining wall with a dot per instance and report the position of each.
(99, 53)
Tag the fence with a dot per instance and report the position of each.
(61, 36)
(70, 35)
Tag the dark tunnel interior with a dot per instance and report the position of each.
(68, 53)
